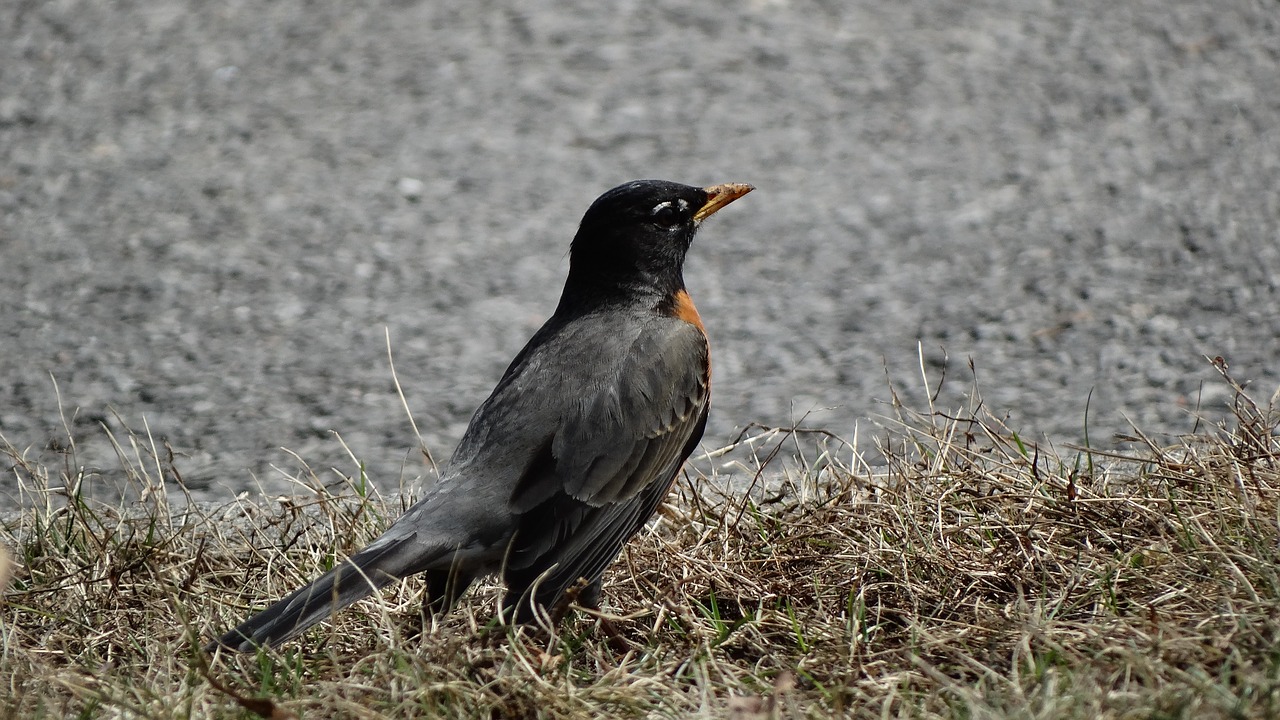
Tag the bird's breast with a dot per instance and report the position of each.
(683, 309)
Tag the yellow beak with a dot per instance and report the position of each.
(718, 196)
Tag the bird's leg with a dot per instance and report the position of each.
(444, 587)
(589, 596)
(586, 594)
(581, 592)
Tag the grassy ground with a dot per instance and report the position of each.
(977, 576)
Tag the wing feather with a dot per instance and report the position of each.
(653, 400)
(612, 460)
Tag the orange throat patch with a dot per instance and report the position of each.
(682, 307)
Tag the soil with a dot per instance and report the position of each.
(211, 214)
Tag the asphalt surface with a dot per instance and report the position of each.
(211, 213)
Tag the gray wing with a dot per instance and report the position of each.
(618, 445)
(620, 420)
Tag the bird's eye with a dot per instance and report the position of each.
(669, 213)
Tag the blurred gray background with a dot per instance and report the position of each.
(210, 213)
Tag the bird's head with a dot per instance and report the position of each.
(635, 236)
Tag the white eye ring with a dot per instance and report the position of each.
(680, 205)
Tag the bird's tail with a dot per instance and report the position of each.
(356, 578)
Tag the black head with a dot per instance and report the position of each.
(635, 236)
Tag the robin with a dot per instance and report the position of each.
(577, 445)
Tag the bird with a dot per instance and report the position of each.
(576, 447)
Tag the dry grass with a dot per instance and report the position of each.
(977, 576)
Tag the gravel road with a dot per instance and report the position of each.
(212, 213)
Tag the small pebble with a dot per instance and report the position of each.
(410, 188)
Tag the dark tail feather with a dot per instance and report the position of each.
(355, 579)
